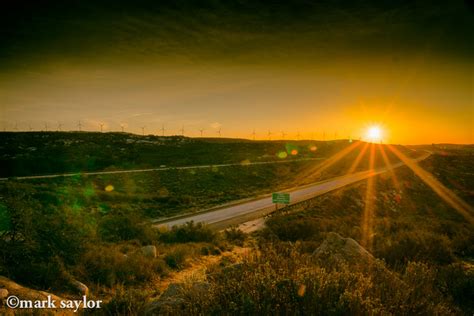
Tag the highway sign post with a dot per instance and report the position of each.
(280, 198)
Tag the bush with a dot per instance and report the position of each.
(293, 230)
(37, 244)
(188, 232)
(457, 281)
(176, 257)
(235, 236)
(125, 226)
(126, 302)
(281, 281)
(108, 266)
(414, 246)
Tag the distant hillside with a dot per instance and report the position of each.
(35, 153)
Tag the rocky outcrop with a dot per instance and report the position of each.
(22, 292)
(342, 249)
(8, 288)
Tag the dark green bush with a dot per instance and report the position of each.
(176, 257)
(188, 232)
(38, 243)
(122, 226)
(416, 245)
(235, 236)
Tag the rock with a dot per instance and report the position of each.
(343, 249)
(25, 293)
(3, 294)
(149, 251)
(81, 288)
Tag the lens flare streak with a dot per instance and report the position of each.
(368, 216)
(443, 192)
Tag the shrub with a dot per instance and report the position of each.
(108, 266)
(188, 232)
(176, 257)
(235, 236)
(126, 302)
(37, 244)
(281, 281)
(414, 246)
(125, 226)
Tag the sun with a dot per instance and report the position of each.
(374, 133)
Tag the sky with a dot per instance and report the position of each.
(307, 69)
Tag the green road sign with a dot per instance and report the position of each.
(283, 198)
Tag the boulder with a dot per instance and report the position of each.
(3, 294)
(342, 249)
(14, 288)
(149, 251)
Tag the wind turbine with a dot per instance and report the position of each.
(101, 127)
(269, 135)
(253, 134)
(60, 126)
(80, 126)
(283, 134)
(122, 127)
(45, 126)
(143, 130)
(201, 131)
(163, 130)
(182, 130)
(219, 132)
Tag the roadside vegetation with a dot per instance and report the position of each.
(96, 230)
(423, 255)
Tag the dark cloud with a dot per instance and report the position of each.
(230, 31)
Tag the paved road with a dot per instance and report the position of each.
(243, 212)
(157, 169)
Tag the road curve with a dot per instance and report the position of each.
(242, 212)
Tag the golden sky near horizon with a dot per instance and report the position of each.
(332, 71)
